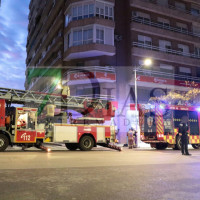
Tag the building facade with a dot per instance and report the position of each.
(97, 44)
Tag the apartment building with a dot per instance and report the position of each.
(97, 44)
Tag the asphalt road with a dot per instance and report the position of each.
(102, 174)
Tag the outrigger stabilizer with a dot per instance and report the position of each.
(112, 146)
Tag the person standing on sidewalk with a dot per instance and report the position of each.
(135, 138)
(183, 130)
(131, 139)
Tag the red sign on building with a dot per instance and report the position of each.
(92, 75)
(165, 81)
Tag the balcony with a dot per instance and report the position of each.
(159, 53)
(80, 75)
(157, 79)
(168, 75)
(186, 35)
(89, 50)
(168, 9)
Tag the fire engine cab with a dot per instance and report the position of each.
(22, 126)
(159, 125)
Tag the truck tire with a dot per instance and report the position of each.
(161, 146)
(178, 142)
(4, 142)
(196, 146)
(71, 147)
(86, 143)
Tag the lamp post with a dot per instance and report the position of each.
(147, 62)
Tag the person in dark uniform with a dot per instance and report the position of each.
(183, 130)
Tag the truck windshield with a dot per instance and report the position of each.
(149, 124)
(168, 123)
(26, 120)
(193, 120)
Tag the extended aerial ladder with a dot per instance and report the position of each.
(87, 106)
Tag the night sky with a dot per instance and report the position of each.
(13, 37)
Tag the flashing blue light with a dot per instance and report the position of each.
(198, 109)
(152, 106)
(162, 107)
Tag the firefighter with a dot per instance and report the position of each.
(183, 130)
(135, 138)
(131, 139)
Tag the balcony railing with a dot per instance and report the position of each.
(164, 26)
(173, 7)
(90, 69)
(99, 96)
(168, 75)
(165, 50)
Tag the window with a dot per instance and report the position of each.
(183, 48)
(110, 12)
(163, 21)
(162, 2)
(88, 91)
(99, 36)
(104, 10)
(165, 45)
(91, 10)
(74, 13)
(179, 5)
(109, 36)
(198, 71)
(87, 10)
(67, 41)
(87, 36)
(77, 37)
(195, 10)
(84, 36)
(197, 51)
(144, 40)
(181, 26)
(196, 29)
(99, 9)
(185, 70)
(80, 14)
(142, 16)
(166, 68)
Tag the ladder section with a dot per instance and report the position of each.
(33, 97)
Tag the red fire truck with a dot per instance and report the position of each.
(21, 126)
(159, 125)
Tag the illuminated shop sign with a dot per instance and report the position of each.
(104, 76)
(165, 81)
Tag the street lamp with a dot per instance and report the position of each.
(147, 63)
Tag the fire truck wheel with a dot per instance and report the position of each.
(161, 146)
(178, 142)
(86, 143)
(4, 142)
(196, 146)
(71, 147)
